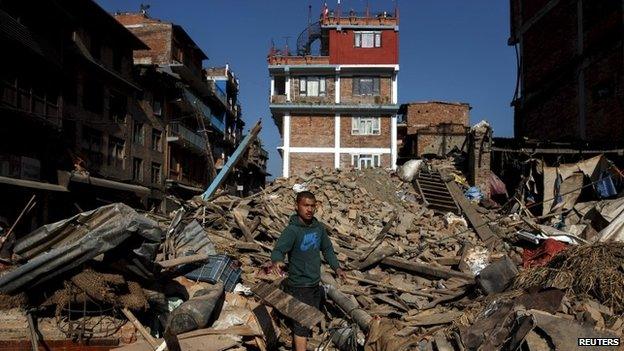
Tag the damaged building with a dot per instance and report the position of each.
(432, 128)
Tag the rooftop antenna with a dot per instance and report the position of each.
(287, 52)
(338, 10)
(309, 21)
(367, 9)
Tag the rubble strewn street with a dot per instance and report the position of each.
(417, 278)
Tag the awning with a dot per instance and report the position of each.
(32, 184)
(105, 183)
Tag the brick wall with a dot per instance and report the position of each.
(342, 49)
(155, 34)
(312, 131)
(419, 115)
(347, 97)
(549, 107)
(300, 163)
(379, 141)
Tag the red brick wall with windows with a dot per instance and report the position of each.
(342, 48)
(379, 141)
(312, 131)
(300, 163)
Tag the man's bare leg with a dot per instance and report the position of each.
(301, 343)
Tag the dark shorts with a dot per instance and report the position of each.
(310, 296)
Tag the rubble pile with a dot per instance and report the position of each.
(417, 277)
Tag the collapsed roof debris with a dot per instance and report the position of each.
(417, 276)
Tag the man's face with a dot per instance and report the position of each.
(306, 208)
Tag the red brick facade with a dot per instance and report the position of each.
(347, 139)
(569, 83)
(300, 163)
(342, 48)
(312, 131)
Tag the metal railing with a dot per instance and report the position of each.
(192, 137)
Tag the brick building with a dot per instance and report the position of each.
(203, 118)
(571, 71)
(92, 96)
(431, 128)
(336, 106)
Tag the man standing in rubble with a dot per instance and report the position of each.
(303, 240)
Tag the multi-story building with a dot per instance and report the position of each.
(194, 109)
(571, 71)
(31, 108)
(336, 107)
(71, 84)
(227, 109)
(432, 128)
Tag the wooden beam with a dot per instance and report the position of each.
(183, 260)
(479, 224)
(425, 269)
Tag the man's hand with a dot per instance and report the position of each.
(342, 275)
(277, 268)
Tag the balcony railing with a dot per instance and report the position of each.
(285, 59)
(180, 131)
(24, 100)
(180, 176)
(278, 99)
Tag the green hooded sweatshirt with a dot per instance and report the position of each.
(303, 244)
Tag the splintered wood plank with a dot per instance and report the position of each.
(287, 305)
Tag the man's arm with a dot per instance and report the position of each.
(328, 251)
(283, 246)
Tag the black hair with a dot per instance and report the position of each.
(305, 195)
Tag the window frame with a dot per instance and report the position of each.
(373, 122)
(158, 178)
(358, 39)
(375, 160)
(157, 146)
(116, 152)
(375, 89)
(304, 87)
(137, 172)
(138, 139)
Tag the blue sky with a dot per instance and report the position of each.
(453, 50)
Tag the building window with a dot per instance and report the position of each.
(365, 125)
(91, 143)
(118, 107)
(156, 170)
(156, 140)
(93, 96)
(367, 39)
(362, 161)
(312, 86)
(116, 152)
(137, 133)
(366, 86)
(137, 169)
(157, 107)
(117, 59)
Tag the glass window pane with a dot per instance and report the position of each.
(322, 86)
(377, 40)
(368, 40)
(302, 85)
(313, 87)
(358, 40)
